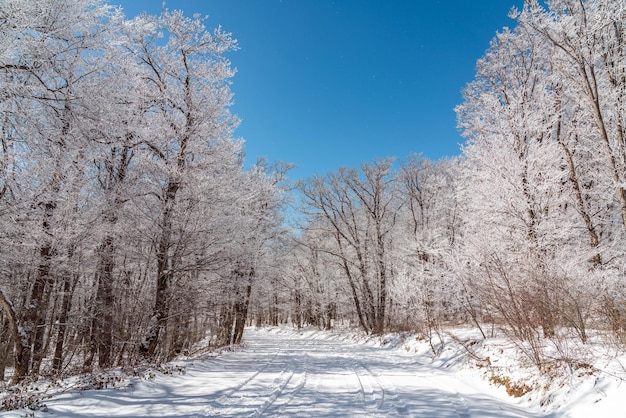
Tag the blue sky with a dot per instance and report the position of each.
(324, 84)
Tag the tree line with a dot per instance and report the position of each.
(130, 229)
(525, 230)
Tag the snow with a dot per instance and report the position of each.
(285, 372)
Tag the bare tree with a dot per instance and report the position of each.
(359, 209)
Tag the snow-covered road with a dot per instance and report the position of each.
(286, 374)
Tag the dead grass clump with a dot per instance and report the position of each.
(513, 389)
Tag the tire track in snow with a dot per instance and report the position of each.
(371, 391)
(255, 394)
(370, 386)
(318, 377)
(281, 384)
(389, 398)
(290, 392)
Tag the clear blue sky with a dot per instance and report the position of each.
(324, 84)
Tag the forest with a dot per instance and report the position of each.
(131, 231)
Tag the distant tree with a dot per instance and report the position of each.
(314, 273)
(359, 208)
(254, 246)
(424, 288)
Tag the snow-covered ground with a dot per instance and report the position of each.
(284, 372)
(592, 383)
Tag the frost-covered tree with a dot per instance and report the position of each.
(124, 203)
(186, 124)
(586, 41)
(50, 67)
(540, 230)
(587, 62)
(360, 210)
(515, 170)
(255, 247)
(424, 289)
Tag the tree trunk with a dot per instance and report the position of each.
(241, 312)
(594, 241)
(382, 284)
(226, 325)
(355, 297)
(5, 347)
(297, 299)
(21, 341)
(149, 345)
(34, 315)
(66, 304)
(102, 327)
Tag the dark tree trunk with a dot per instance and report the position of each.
(115, 170)
(226, 325)
(21, 342)
(34, 315)
(149, 345)
(66, 304)
(102, 327)
(241, 312)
